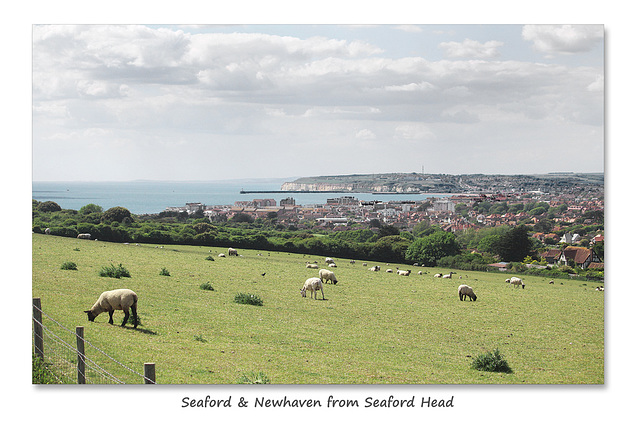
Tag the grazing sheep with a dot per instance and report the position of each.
(551, 282)
(508, 280)
(47, 231)
(232, 252)
(84, 236)
(466, 291)
(221, 255)
(312, 266)
(419, 272)
(516, 282)
(389, 270)
(352, 262)
(448, 276)
(328, 260)
(328, 276)
(404, 272)
(313, 285)
(437, 275)
(600, 288)
(118, 299)
(333, 265)
(375, 268)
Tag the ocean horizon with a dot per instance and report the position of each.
(151, 197)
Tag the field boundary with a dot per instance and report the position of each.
(69, 364)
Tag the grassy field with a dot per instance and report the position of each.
(373, 327)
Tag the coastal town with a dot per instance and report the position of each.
(550, 214)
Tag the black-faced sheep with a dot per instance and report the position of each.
(375, 268)
(466, 291)
(327, 275)
(516, 282)
(118, 299)
(404, 272)
(313, 285)
(232, 252)
(333, 265)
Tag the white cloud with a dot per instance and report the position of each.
(365, 134)
(563, 39)
(470, 49)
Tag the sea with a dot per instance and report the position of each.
(151, 197)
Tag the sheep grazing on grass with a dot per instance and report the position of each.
(333, 265)
(465, 291)
(328, 260)
(328, 276)
(314, 285)
(404, 272)
(600, 288)
(375, 268)
(312, 266)
(232, 252)
(516, 282)
(419, 272)
(221, 255)
(47, 231)
(352, 262)
(84, 236)
(389, 270)
(437, 275)
(118, 299)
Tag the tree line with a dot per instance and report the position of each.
(426, 245)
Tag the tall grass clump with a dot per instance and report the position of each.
(491, 361)
(206, 286)
(250, 299)
(69, 265)
(254, 378)
(164, 272)
(209, 258)
(112, 271)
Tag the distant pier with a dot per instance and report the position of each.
(327, 192)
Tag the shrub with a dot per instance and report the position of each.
(254, 378)
(164, 272)
(206, 286)
(199, 338)
(491, 362)
(112, 271)
(40, 372)
(209, 258)
(249, 299)
(69, 265)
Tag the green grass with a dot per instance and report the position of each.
(373, 327)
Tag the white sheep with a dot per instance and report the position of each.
(448, 276)
(375, 268)
(118, 299)
(466, 291)
(516, 282)
(312, 266)
(313, 285)
(404, 272)
(437, 275)
(328, 260)
(221, 255)
(84, 236)
(389, 270)
(47, 231)
(333, 265)
(328, 276)
(232, 252)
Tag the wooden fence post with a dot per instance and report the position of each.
(81, 364)
(38, 340)
(149, 373)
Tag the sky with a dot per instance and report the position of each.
(212, 102)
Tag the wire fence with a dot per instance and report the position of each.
(69, 358)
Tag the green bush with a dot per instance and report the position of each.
(491, 362)
(209, 258)
(112, 271)
(40, 372)
(206, 286)
(254, 378)
(69, 265)
(199, 338)
(249, 299)
(164, 272)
